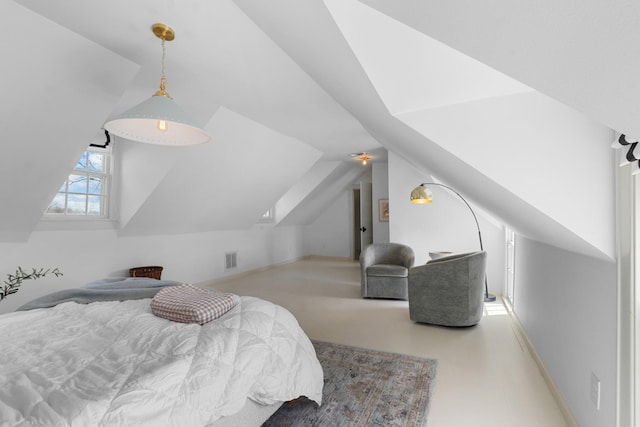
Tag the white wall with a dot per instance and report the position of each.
(190, 258)
(444, 225)
(380, 190)
(567, 305)
(331, 234)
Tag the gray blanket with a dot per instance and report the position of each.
(111, 289)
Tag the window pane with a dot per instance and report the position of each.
(95, 162)
(94, 206)
(77, 204)
(84, 192)
(57, 204)
(77, 183)
(95, 185)
(82, 163)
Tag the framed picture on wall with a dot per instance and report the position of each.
(383, 210)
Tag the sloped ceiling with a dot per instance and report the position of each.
(582, 227)
(303, 187)
(585, 55)
(225, 185)
(46, 80)
(506, 102)
(269, 121)
(336, 183)
(410, 71)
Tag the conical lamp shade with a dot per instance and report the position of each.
(140, 123)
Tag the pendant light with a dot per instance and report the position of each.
(158, 120)
(363, 157)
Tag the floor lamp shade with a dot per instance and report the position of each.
(421, 195)
(145, 121)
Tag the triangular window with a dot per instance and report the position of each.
(85, 192)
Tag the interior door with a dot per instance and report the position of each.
(356, 224)
(366, 215)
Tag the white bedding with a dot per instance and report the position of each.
(116, 364)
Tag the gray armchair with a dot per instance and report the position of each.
(448, 291)
(384, 268)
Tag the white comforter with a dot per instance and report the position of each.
(116, 364)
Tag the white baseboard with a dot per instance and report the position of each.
(329, 258)
(562, 403)
(212, 282)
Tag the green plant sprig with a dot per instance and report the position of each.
(13, 281)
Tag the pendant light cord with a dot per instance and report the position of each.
(163, 78)
(164, 53)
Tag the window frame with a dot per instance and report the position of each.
(268, 217)
(628, 333)
(105, 195)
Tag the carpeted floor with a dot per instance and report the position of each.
(364, 388)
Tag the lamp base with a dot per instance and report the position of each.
(489, 298)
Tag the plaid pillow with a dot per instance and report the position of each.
(191, 304)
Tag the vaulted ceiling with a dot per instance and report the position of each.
(514, 104)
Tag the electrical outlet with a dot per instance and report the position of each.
(595, 391)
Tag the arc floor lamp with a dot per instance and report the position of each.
(423, 195)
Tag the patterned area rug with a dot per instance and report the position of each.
(364, 388)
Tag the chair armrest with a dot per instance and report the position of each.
(408, 257)
(367, 257)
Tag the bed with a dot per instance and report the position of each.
(99, 356)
